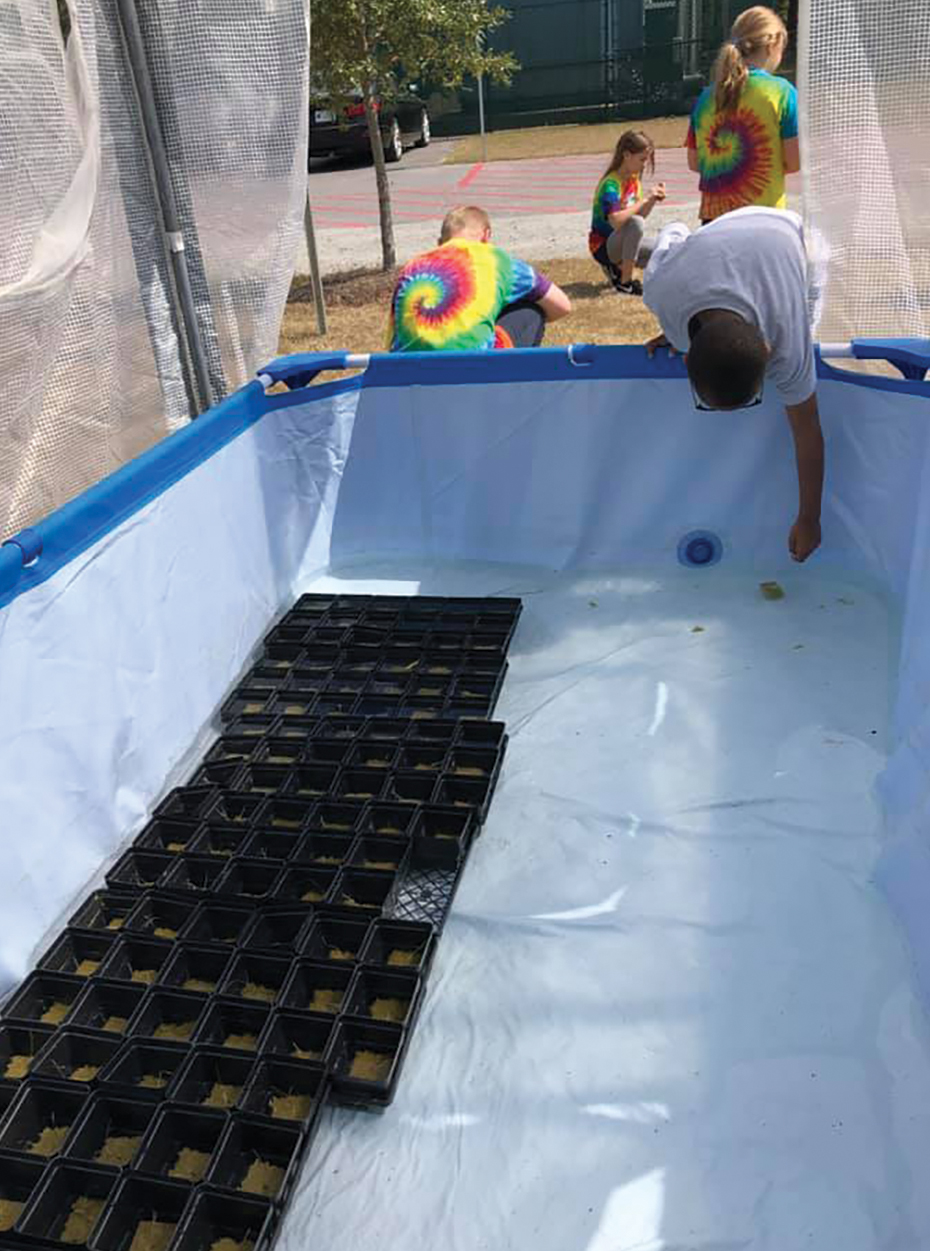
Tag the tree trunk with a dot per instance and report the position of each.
(388, 253)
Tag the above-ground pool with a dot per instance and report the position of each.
(680, 1002)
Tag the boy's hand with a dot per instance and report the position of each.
(658, 193)
(804, 539)
(659, 341)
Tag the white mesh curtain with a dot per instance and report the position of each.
(865, 117)
(91, 355)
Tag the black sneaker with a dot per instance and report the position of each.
(633, 287)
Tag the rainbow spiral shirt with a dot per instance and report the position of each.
(449, 300)
(611, 196)
(740, 152)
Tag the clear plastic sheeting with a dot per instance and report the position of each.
(669, 1010)
(865, 117)
(230, 79)
(92, 358)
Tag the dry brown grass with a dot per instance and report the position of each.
(543, 141)
(357, 303)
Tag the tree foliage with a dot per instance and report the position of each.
(380, 47)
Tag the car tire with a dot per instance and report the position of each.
(425, 131)
(393, 143)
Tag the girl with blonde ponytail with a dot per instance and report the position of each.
(743, 137)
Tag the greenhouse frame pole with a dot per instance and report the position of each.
(171, 223)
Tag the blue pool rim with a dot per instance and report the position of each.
(700, 549)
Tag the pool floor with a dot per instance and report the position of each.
(669, 1010)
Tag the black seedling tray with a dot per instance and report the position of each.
(212, 1077)
(336, 938)
(254, 880)
(387, 820)
(374, 852)
(251, 1141)
(427, 758)
(233, 1019)
(168, 836)
(187, 803)
(194, 968)
(175, 1130)
(376, 993)
(109, 1130)
(255, 976)
(364, 889)
(305, 884)
(355, 1036)
(232, 749)
(157, 915)
(107, 1007)
(216, 1217)
(290, 705)
(66, 1183)
(281, 751)
(430, 733)
(336, 818)
(399, 945)
(136, 959)
(264, 779)
(320, 751)
(40, 1105)
(246, 701)
(138, 1199)
(223, 775)
(139, 869)
(299, 1037)
(458, 792)
(216, 922)
(455, 825)
(169, 1016)
(222, 842)
(41, 996)
(325, 851)
(286, 814)
(198, 875)
(383, 733)
(372, 755)
(424, 893)
(285, 1091)
(77, 953)
(105, 910)
(19, 1180)
(271, 845)
(277, 930)
(142, 1070)
(19, 1046)
(77, 1056)
(312, 781)
(234, 808)
(410, 788)
(482, 734)
(252, 727)
(359, 786)
(313, 986)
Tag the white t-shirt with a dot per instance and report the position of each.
(751, 262)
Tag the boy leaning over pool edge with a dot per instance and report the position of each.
(734, 299)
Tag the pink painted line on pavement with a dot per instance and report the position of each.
(470, 176)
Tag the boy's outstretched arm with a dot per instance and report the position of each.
(804, 419)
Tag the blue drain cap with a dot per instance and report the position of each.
(700, 549)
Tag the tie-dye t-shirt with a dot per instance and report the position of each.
(612, 196)
(449, 300)
(740, 152)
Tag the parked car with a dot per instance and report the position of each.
(404, 124)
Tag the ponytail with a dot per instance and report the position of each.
(755, 32)
(730, 76)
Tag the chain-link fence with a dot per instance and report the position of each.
(95, 353)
